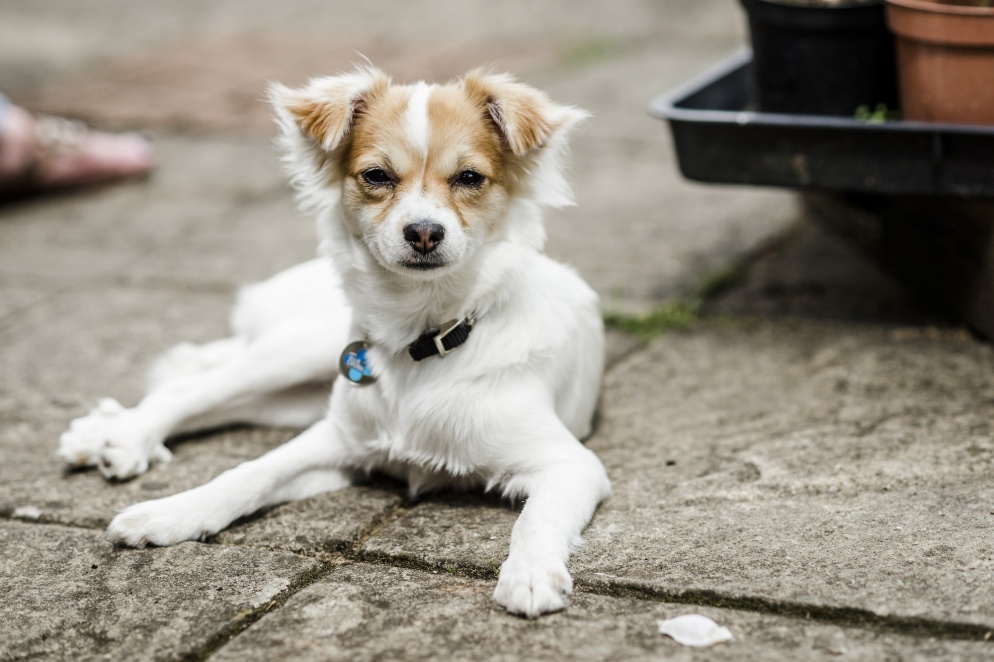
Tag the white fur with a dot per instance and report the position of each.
(502, 412)
(417, 117)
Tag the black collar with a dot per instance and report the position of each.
(443, 340)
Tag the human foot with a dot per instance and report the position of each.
(39, 153)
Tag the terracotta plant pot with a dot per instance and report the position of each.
(821, 57)
(945, 56)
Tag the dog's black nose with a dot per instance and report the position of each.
(424, 236)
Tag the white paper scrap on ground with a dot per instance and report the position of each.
(695, 630)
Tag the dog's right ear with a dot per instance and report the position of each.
(316, 123)
(325, 110)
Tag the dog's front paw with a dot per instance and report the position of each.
(116, 440)
(160, 522)
(533, 588)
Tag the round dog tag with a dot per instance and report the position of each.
(354, 364)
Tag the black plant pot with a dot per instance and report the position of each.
(821, 60)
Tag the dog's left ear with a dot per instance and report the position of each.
(534, 131)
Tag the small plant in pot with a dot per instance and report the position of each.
(945, 53)
(824, 57)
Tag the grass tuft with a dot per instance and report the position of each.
(675, 315)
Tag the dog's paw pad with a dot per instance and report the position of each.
(82, 443)
(124, 461)
(120, 463)
(136, 527)
(119, 441)
(160, 522)
(77, 451)
(533, 588)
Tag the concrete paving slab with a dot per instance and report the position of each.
(332, 522)
(830, 467)
(251, 241)
(362, 612)
(90, 234)
(90, 342)
(787, 440)
(61, 357)
(464, 530)
(16, 296)
(618, 345)
(841, 471)
(228, 197)
(69, 594)
(35, 486)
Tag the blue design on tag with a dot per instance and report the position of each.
(359, 371)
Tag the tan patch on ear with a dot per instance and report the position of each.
(321, 120)
(329, 118)
(522, 114)
(523, 123)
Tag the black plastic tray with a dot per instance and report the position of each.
(719, 138)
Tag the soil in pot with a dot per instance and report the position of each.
(945, 53)
(825, 58)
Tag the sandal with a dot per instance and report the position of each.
(40, 153)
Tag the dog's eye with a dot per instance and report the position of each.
(377, 177)
(470, 178)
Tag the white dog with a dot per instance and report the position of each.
(470, 358)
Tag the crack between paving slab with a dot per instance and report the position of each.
(248, 617)
(7, 515)
(355, 549)
(909, 626)
(411, 562)
(621, 358)
(913, 626)
(328, 562)
(863, 619)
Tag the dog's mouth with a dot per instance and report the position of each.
(423, 264)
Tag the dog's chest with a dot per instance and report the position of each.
(416, 413)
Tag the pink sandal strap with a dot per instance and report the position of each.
(58, 135)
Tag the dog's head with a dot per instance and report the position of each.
(425, 174)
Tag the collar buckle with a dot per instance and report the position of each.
(445, 330)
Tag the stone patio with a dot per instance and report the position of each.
(809, 461)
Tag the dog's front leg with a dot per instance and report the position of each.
(304, 466)
(561, 498)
